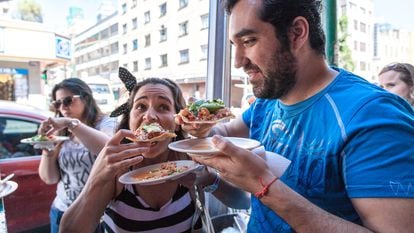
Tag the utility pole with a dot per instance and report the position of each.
(330, 22)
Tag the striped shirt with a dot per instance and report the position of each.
(129, 213)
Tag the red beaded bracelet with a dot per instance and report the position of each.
(265, 189)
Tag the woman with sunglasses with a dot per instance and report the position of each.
(69, 163)
(398, 78)
(165, 207)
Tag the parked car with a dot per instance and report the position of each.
(27, 209)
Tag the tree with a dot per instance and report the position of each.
(345, 53)
(29, 10)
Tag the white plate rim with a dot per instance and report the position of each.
(56, 139)
(11, 187)
(126, 178)
(173, 145)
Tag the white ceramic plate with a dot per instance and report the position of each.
(204, 146)
(56, 139)
(133, 177)
(7, 188)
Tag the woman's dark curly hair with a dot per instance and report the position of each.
(92, 113)
(179, 102)
(281, 13)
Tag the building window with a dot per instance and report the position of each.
(204, 50)
(124, 8)
(135, 44)
(114, 29)
(355, 25)
(183, 29)
(362, 47)
(124, 28)
(135, 66)
(125, 46)
(134, 23)
(148, 63)
(134, 4)
(363, 66)
(204, 21)
(163, 9)
(184, 57)
(147, 40)
(183, 3)
(164, 60)
(125, 65)
(163, 33)
(362, 27)
(355, 45)
(147, 17)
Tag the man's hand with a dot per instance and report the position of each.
(238, 166)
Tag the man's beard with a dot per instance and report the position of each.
(280, 77)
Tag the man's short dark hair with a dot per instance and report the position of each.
(281, 13)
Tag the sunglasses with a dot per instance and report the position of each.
(67, 101)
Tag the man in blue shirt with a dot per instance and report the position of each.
(351, 143)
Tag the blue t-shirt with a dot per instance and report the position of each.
(351, 140)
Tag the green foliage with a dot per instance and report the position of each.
(29, 10)
(345, 53)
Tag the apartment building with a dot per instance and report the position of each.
(360, 31)
(391, 44)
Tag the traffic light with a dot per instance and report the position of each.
(44, 75)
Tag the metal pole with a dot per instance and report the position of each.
(329, 15)
(218, 62)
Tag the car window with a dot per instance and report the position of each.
(11, 132)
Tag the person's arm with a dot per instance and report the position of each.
(102, 184)
(93, 139)
(245, 170)
(48, 166)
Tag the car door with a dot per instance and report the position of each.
(28, 207)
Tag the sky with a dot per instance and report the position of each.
(396, 12)
(55, 12)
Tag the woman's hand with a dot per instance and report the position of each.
(115, 158)
(194, 129)
(52, 125)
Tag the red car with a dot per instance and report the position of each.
(27, 209)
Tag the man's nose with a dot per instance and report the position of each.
(240, 59)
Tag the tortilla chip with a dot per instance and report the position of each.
(186, 120)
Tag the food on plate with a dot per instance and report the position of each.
(205, 111)
(42, 138)
(166, 169)
(151, 133)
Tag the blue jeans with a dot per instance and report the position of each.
(55, 217)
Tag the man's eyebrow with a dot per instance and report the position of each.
(244, 32)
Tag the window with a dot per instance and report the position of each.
(164, 60)
(135, 66)
(147, 17)
(125, 65)
(183, 29)
(163, 9)
(147, 40)
(204, 50)
(355, 45)
(125, 46)
(134, 23)
(135, 44)
(363, 66)
(204, 21)
(183, 3)
(114, 29)
(355, 24)
(124, 28)
(184, 58)
(11, 132)
(163, 33)
(124, 8)
(134, 4)
(362, 27)
(148, 63)
(362, 47)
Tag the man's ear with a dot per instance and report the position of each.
(299, 33)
